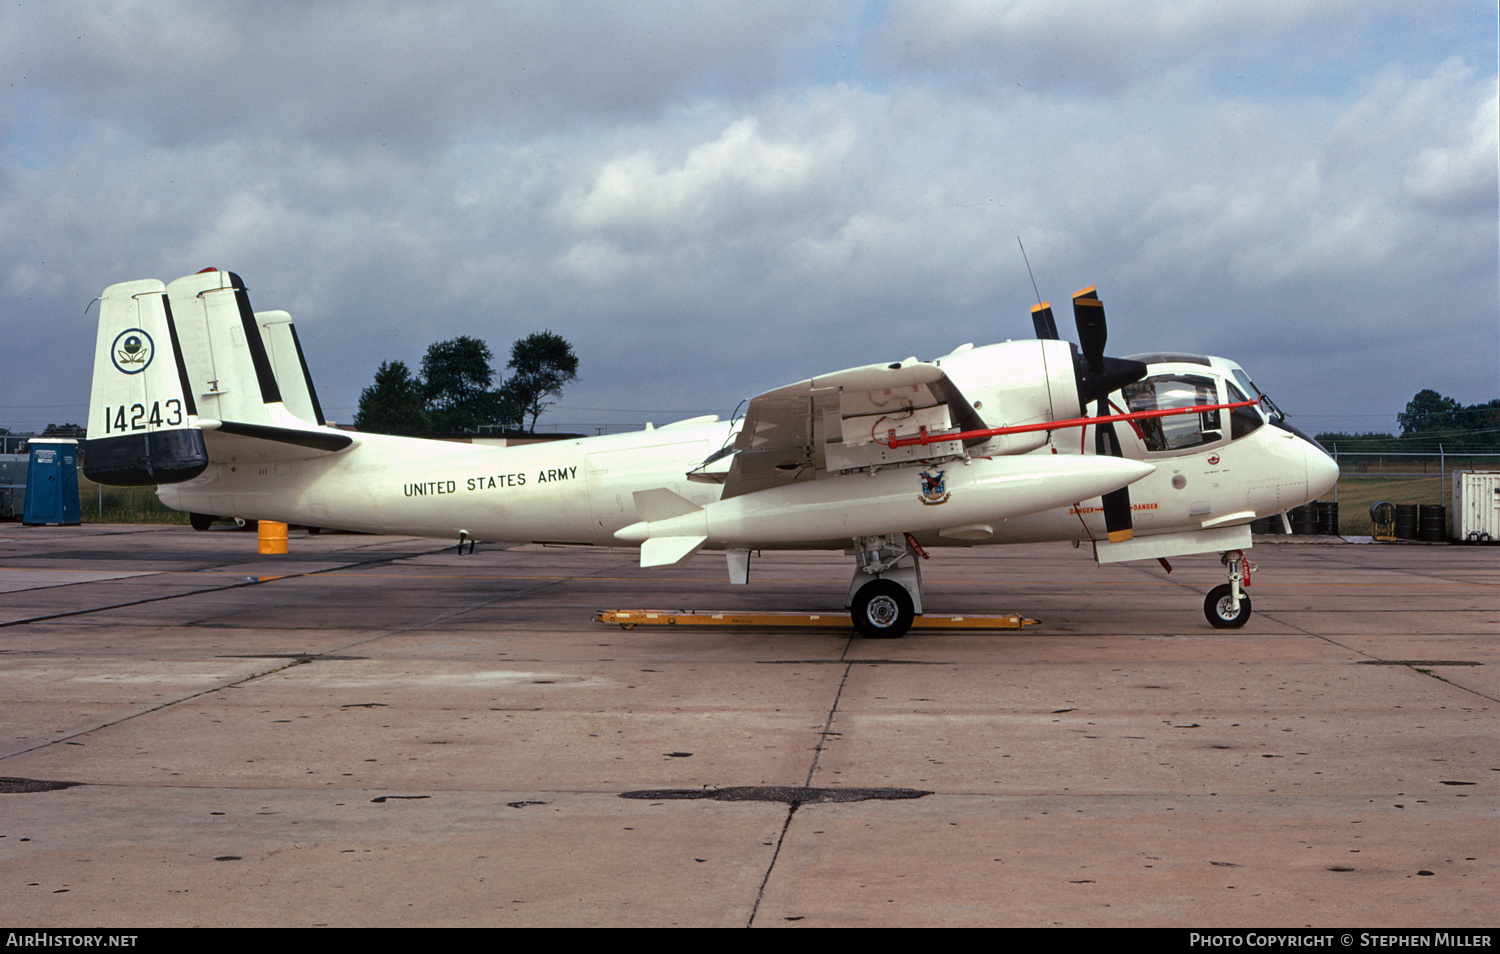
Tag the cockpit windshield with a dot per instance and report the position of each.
(1170, 391)
(1248, 386)
(1242, 420)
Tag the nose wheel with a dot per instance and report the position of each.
(1220, 608)
(1227, 606)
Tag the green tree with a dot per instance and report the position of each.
(1431, 421)
(456, 379)
(63, 430)
(1369, 442)
(1426, 412)
(393, 404)
(1482, 417)
(543, 362)
(1479, 427)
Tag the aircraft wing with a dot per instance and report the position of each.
(840, 421)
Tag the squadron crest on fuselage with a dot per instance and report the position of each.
(934, 490)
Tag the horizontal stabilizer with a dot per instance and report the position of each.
(669, 551)
(323, 439)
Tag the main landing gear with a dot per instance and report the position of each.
(886, 593)
(1226, 606)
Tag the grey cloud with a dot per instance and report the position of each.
(702, 223)
(408, 76)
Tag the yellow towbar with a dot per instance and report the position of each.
(629, 619)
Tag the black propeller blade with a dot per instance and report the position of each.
(1099, 376)
(1117, 519)
(1104, 375)
(1041, 318)
(1088, 313)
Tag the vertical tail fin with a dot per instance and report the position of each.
(290, 367)
(243, 366)
(142, 418)
(176, 361)
(227, 366)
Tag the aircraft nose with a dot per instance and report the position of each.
(1322, 470)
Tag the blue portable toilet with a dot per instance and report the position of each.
(52, 482)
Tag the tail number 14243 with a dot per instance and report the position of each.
(137, 418)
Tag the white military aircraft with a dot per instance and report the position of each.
(211, 401)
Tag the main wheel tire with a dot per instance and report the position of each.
(1217, 608)
(882, 610)
(201, 521)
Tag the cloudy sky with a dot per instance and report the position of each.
(710, 200)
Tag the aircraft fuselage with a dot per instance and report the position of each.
(581, 491)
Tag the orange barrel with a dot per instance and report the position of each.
(272, 537)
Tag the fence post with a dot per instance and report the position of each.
(1341, 470)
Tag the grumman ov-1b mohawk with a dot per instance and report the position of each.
(1174, 454)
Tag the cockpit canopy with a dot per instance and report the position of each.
(1187, 380)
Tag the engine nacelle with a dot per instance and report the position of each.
(1017, 382)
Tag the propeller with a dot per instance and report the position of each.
(1088, 313)
(1041, 318)
(1098, 376)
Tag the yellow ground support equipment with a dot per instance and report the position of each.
(629, 619)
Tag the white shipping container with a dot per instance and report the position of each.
(1476, 505)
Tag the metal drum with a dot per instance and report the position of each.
(1328, 517)
(1406, 521)
(1432, 522)
(1304, 520)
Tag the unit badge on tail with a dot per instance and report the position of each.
(132, 351)
(933, 489)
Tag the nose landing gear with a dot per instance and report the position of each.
(1226, 606)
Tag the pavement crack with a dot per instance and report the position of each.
(64, 740)
(824, 734)
(793, 795)
(760, 893)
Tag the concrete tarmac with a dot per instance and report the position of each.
(374, 730)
